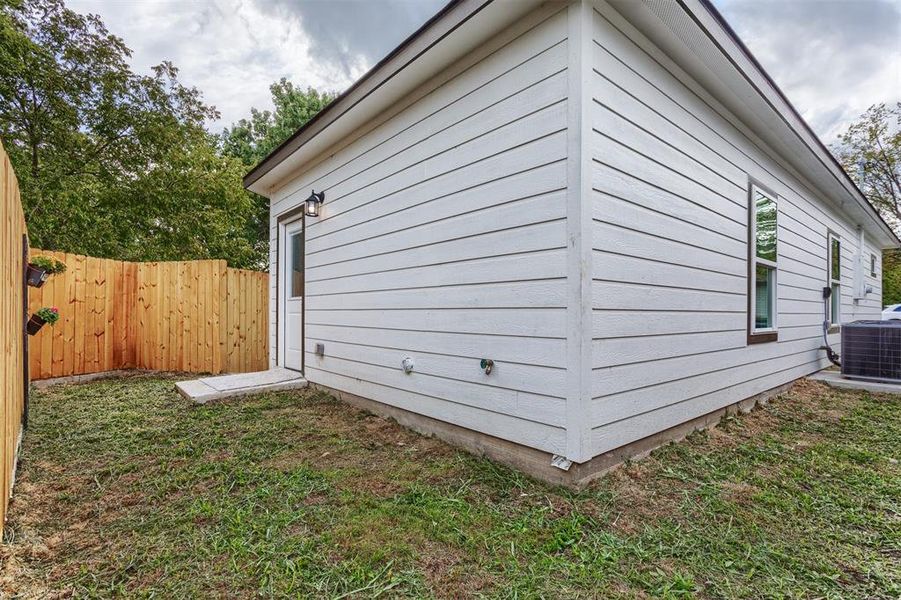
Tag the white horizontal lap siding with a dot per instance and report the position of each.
(670, 190)
(870, 306)
(443, 238)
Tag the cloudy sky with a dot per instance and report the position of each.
(833, 58)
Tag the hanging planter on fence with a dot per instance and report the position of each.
(41, 318)
(42, 267)
(36, 277)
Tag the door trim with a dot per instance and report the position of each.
(282, 221)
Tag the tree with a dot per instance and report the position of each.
(112, 163)
(250, 140)
(870, 151)
(891, 277)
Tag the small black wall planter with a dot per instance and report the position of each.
(34, 324)
(36, 276)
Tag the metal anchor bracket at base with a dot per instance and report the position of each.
(561, 463)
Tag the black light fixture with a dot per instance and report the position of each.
(311, 205)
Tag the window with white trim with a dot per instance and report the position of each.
(834, 280)
(764, 265)
(872, 265)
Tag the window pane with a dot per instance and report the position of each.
(873, 265)
(766, 227)
(836, 303)
(765, 282)
(296, 266)
(836, 259)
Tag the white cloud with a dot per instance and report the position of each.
(832, 58)
(347, 34)
(231, 50)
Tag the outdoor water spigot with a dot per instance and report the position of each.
(407, 365)
(487, 365)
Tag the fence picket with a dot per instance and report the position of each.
(194, 316)
(12, 311)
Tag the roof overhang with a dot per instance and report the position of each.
(694, 35)
(419, 58)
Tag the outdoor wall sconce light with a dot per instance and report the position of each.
(311, 204)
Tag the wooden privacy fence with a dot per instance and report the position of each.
(13, 246)
(195, 316)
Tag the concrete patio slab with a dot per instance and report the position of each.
(835, 379)
(206, 389)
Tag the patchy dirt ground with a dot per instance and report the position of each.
(127, 490)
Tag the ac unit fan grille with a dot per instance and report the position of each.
(872, 350)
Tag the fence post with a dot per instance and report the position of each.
(222, 326)
(26, 376)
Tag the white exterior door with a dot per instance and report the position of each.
(291, 286)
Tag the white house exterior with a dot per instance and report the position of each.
(563, 188)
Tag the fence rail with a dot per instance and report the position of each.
(194, 316)
(13, 245)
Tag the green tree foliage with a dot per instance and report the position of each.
(891, 277)
(870, 151)
(112, 163)
(250, 140)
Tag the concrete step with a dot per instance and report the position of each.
(206, 389)
(835, 379)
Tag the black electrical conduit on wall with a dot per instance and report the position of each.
(830, 353)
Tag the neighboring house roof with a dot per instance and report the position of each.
(692, 30)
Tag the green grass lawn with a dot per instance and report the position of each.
(125, 489)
